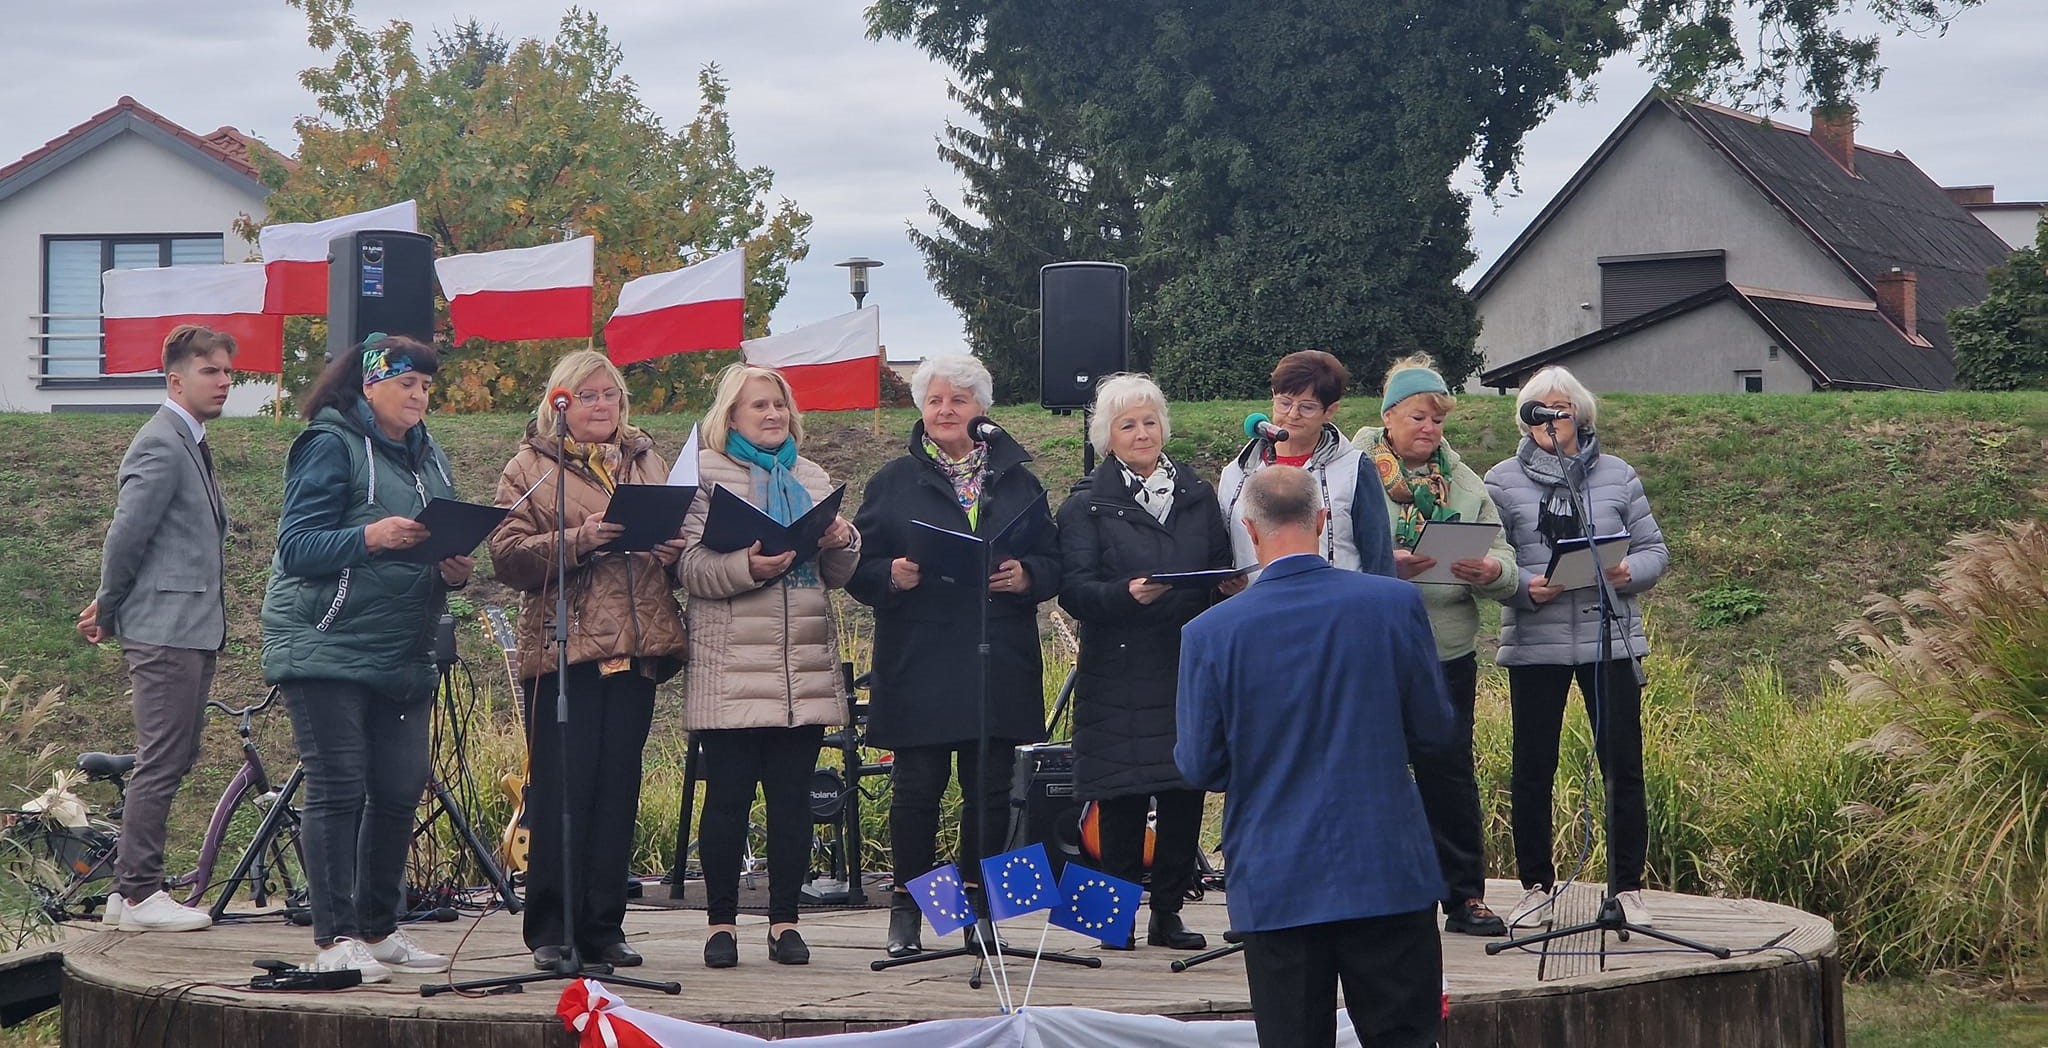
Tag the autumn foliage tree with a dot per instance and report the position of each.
(515, 144)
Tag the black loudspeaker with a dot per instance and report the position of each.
(1084, 329)
(379, 280)
(1042, 805)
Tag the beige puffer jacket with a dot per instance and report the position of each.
(761, 655)
(619, 603)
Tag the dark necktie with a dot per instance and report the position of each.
(212, 481)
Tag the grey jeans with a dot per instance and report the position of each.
(366, 764)
(170, 687)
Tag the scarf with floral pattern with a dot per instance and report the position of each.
(1420, 493)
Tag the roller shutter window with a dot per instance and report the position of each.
(1631, 287)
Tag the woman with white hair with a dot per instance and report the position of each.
(1139, 514)
(1551, 636)
(927, 672)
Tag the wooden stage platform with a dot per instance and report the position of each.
(139, 991)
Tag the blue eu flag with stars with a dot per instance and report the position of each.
(942, 899)
(1018, 882)
(1096, 904)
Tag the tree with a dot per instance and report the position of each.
(1293, 161)
(2002, 342)
(509, 145)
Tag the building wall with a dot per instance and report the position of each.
(1696, 352)
(127, 185)
(2017, 226)
(1662, 189)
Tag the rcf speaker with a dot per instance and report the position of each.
(379, 280)
(1042, 805)
(1084, 330)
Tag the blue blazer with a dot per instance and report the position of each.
(1301, 700)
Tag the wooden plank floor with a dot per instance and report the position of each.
(838, 991)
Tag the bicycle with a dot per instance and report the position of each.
(72, 852)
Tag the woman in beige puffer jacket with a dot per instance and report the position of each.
(764, 675)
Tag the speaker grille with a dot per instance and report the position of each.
(1084, 329)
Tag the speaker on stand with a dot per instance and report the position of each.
(1084, 333)
(379, 280)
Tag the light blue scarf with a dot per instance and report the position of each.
(773, 471)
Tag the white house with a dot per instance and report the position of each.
(2016, 222)
(125, 189)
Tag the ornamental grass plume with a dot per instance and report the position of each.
(1958, 809)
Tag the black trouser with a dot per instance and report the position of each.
(1391, 967)
(780, 761)
(1450, 792)
(916, 783)
(366, 763)
(600, 772)
(1173, 852)
(1537, 695)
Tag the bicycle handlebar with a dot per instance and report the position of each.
(245, 711)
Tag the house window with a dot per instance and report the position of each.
(1749, 382)
(1632, 285)
(71, 290)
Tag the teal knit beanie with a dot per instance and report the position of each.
(1407, 383)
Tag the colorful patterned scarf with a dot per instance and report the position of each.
(604, 461)
(965, 474)
(1420, 493)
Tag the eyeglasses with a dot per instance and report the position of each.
(1291, 406)
(587, 397)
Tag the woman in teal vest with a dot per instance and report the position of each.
(348, 631)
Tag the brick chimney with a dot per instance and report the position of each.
(1968, 195)
(1898, 298)
(1835, 133)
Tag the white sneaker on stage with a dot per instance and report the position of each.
(1633, 909)
(348, 953)
(161, 913)
(111, 916)
(1533, 911)
(399, 951)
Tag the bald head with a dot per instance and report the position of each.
(1283, 512)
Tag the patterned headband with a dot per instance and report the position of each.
(378, 363)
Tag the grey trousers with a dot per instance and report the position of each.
(170, 687)
(366, 764)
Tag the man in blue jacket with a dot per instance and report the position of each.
(1301, 700)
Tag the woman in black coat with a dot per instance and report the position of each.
(1139, 514)
(926, 670)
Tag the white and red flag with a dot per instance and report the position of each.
(832, 365)
(295, 255)
(139, 307)
(697, 307)
(527, 292)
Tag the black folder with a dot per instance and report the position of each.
(1572, 563)
(958, 557)
(1200, 579)
(455, 529)
(652, 514)
(733, 523)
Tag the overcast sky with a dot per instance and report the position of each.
(849, 126)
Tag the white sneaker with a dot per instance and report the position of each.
(111, 916)
(1533, 911)
(348, 953)
(161, 913)
(399, 951)
(1633, 909)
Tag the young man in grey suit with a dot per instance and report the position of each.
(162, 595)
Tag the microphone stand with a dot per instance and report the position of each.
(1610, 918)
(570, 965)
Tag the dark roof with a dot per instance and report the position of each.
(1843, 345)
(225, 152)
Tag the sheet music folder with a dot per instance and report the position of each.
(1200, 579)
(733, 523)
(651, 513)
(958, 557)
(1450, 541)
(1571, 560)
(455, 529)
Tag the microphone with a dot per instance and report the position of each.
(981, 427)
(1260, 426)
(560, 398)
(1535, 414)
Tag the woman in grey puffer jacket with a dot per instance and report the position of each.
(1550, 636)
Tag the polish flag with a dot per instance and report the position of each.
(832, 365)
(696, 307)
(527, 292)
(139, 307)
(295, 255)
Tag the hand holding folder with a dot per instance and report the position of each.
(733, 523)
(964, 559)
(455, 529)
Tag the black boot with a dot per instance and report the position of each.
(906, 925)
(1166, 929)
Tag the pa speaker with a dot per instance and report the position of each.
(1042, 805)
(1084, 329)
(379, 280)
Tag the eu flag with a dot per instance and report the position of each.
(1097, 905)
(1018, 882)
(942, 899)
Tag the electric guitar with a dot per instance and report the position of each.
(517, 839)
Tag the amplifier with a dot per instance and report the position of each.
(1042, 805)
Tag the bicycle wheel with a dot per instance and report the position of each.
(66, 870)
(274, 877)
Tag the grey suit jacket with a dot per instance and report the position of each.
(161, 573)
